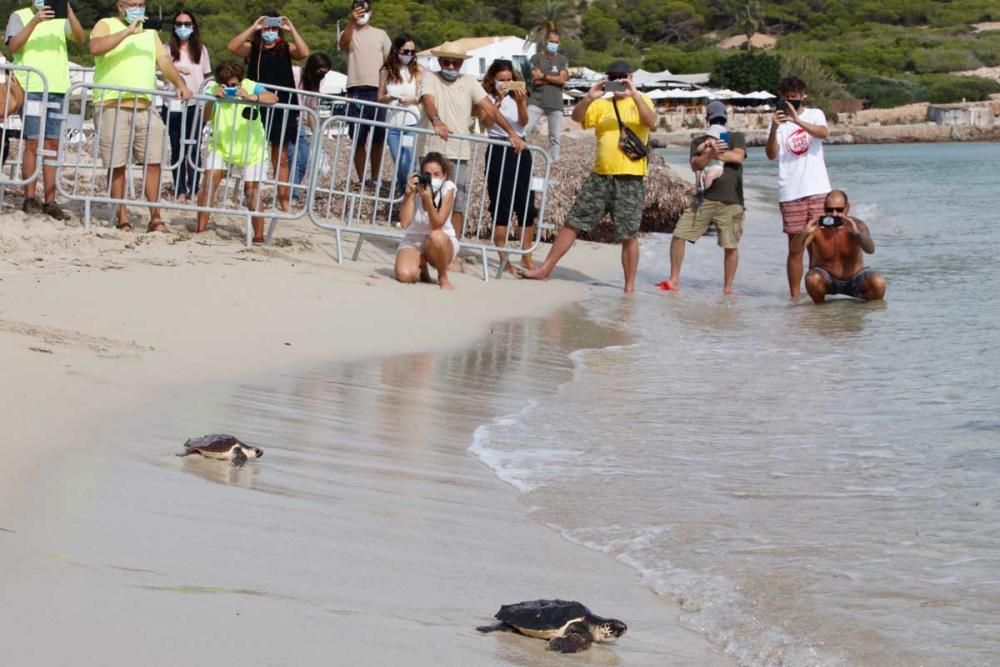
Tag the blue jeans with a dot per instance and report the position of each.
(302, 144)
(185, 175)
(402, 156)
(32, 122)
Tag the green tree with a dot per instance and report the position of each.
(747, 72)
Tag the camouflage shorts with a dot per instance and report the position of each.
(621, 196)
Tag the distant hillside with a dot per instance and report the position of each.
(910, 42)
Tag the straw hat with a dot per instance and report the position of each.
(449, 50)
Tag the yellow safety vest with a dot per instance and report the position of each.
(238, 139)
(131, 64)
(46, 50)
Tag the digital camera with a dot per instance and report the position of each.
(424, 180)
(272, 21)
(831, 221)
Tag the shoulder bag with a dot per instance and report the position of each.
(628, 141)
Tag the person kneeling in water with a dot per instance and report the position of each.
(426, 216)
(837, 243)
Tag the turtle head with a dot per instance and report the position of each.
(610, 630)
(256, 451)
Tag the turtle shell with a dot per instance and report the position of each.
(216, 442)
(542, 615)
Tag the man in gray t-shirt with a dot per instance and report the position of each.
(549, 73)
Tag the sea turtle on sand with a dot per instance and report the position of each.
(569, 626)
(222, 447)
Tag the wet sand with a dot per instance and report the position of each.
(367, 532)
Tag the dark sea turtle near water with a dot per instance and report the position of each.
(222, 447)
(569, 626)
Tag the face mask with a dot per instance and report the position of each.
(796, 104)
(231, 90)
(365, 18)
(133, 14)
(450, 74)
(436, 183)
(39, 4)
(183, 32)
(552, 47)
(269, 36)
(500, 85)
(405, 60)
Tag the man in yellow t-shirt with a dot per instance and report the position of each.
(126, 55)
(617, 183)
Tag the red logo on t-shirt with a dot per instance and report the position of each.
(798, 142)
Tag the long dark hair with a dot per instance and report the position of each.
(391, 64)
(194, 41)
(281, 46)
(497, 66)
(311, 75)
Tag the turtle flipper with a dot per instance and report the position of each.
(572, 642)
(239, 457)
(188, 451)
(496, 627)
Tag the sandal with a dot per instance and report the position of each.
(258, 240)
(156, 226)
(124, 227)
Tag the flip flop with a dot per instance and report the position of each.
(156, 226)
(124, 228)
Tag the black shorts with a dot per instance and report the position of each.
(367, 112)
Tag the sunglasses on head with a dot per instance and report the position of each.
(407, 52)
(448, 62)
(183, 24)
(833, 209)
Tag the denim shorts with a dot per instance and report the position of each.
(31, 113)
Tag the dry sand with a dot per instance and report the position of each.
(116, 346)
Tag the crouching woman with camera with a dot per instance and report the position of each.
(426, 216)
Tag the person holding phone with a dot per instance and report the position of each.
(795, 140)
(617, 184)
(191, 59)
(36, 36)
(238, 144)
(722, 200)
(367, 48)
(508, 174)
(269, 57)
(126, 56)
(399, 81)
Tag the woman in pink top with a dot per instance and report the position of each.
(191, 59)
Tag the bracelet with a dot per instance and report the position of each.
(435, 119)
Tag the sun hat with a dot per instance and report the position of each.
(449, 50)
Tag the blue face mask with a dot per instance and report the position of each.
(133, 14)
(552, 47)
(269, 36)
(231, 91)
(39, 4)
(450, 74)
(183, 32)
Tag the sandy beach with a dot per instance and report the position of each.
(119, 346)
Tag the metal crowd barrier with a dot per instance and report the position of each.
(337, 204)
(12, 144)
(82, 176)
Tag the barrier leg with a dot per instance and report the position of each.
(357, 248)
(270, 231)
(340, 250)
(86, 214)
(249, 231)
(486, 265)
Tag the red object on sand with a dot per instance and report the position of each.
(664, 285)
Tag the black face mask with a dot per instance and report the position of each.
(796, 104)
(718, 120)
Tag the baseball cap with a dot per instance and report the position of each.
(716, 109)
(619, 67)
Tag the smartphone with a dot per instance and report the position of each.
(724, 137)
(614, 87)
(152, 23)
(59, 7)
(515, 85)
(272, 22)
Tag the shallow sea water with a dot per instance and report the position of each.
(817, 486)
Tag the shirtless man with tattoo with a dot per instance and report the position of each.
(837, 243)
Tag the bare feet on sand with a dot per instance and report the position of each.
(445, 283)
(534, 274)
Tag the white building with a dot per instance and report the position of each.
(484, 50)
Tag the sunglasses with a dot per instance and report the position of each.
(835, 210)
(451, 64)
(183, 24)
(407, 52)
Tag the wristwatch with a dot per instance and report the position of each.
(435, 119)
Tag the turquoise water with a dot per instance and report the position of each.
(816, 485)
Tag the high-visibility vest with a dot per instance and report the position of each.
(45, 50)
(131, 64)
(239, 140)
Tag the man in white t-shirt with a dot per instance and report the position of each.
(795, 140)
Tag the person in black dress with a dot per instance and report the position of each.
(269, 59)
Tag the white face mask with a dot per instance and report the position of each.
(501, 85)
(450, 74)
(365, 18)
(436, 183)
(405, 60)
